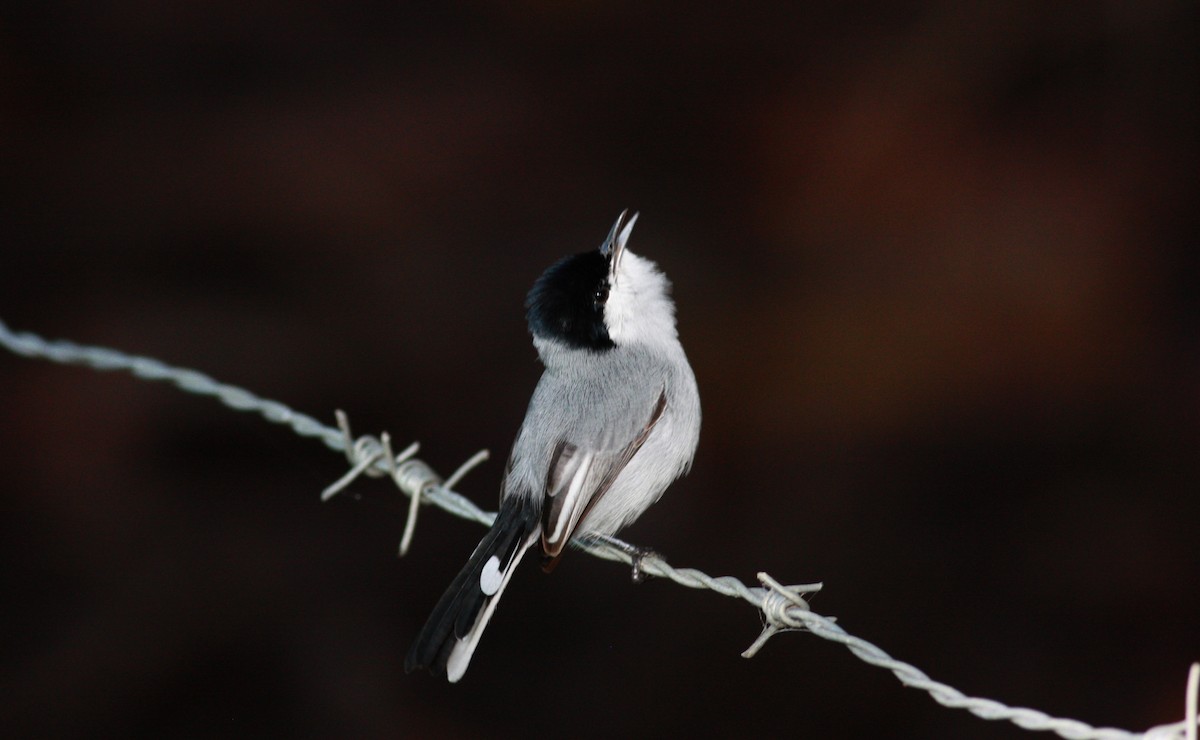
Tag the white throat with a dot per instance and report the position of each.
(639, 308)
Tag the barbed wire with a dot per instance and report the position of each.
(782, 608)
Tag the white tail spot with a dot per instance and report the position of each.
(490, 578)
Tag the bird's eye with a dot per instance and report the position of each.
(601, 295)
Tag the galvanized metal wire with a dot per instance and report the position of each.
(782, 608)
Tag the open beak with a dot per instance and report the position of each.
(614, 246)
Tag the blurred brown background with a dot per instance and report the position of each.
(936, 269)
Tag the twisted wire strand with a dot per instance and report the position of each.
(783, 608)
(66, 352)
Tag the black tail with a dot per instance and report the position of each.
(452, 631)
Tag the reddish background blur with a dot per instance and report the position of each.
(936, 267)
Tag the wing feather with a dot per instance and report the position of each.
(578, 478)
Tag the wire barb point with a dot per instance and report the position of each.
(784, 609)
(374, 457)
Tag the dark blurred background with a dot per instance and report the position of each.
(936, 267)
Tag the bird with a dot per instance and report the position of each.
(613, 421)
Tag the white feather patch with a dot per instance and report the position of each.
(491, 578)
(573, 505)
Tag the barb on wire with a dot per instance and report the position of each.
(783, 608)
(412, 476)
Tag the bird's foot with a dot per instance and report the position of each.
(636, 555)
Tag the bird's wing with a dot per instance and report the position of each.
(579, 475)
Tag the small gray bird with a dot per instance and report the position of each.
(613, 421)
